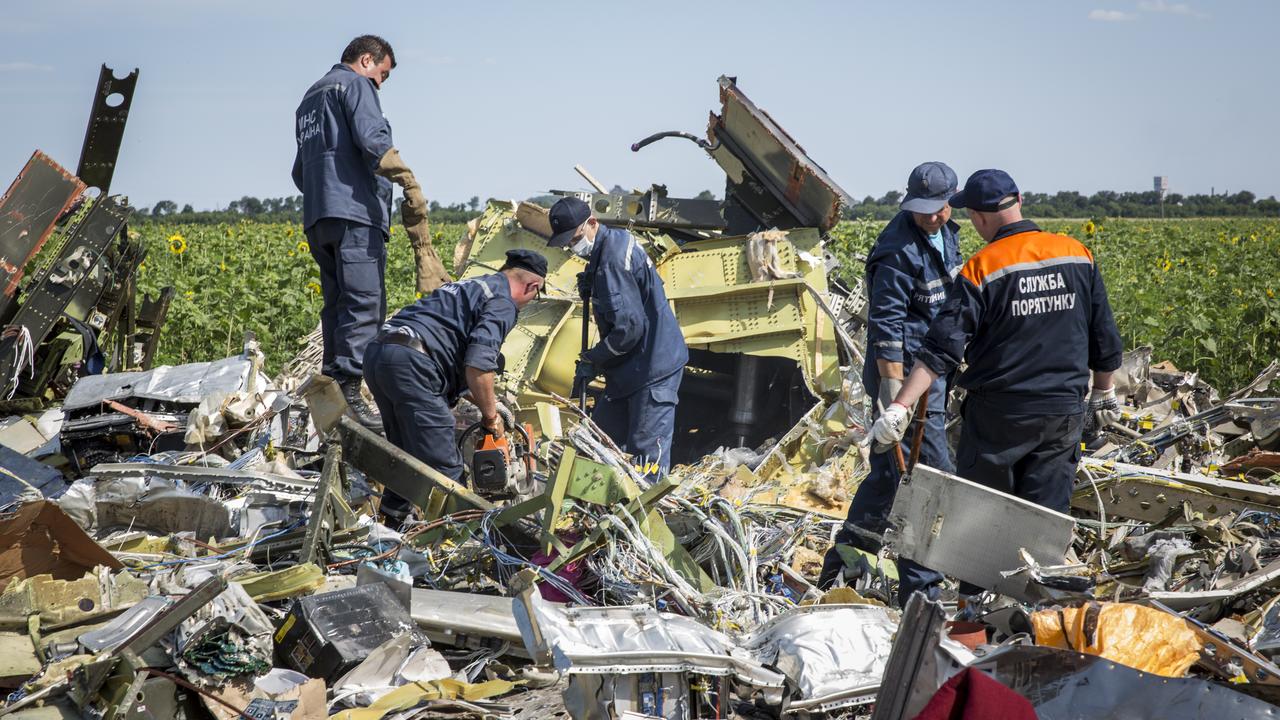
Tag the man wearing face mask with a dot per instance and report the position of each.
(641, 352)
(1028, 315)
(437, 348)
(344, 167)
(908, 272)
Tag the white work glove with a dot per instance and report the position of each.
(892, 424)
(1105, 407)
(888, 390)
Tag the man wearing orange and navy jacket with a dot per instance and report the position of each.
(1029, 315)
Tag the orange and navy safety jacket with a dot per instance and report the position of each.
(1029, 315)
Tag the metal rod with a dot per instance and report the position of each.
(586, 338)
(590, 179)
(922, 409)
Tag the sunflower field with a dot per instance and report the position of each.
(252, 276)
(1203, 292)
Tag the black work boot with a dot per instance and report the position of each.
(364, 413)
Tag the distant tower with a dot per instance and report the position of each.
(1161, 185)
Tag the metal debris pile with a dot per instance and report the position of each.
(205, 541)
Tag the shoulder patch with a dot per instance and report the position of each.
(1024, 251)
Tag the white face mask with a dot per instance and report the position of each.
(582, 248)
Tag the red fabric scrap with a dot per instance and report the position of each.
(973, 695)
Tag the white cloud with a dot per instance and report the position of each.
(1110, 15)
(1177, 8)
(24, 67)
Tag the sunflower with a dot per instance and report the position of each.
(177, 244)
(303, 247)
(1089, 229)
(314, 287)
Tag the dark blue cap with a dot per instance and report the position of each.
(928, 188)
(566, 215)
(984, 190)
(527, 260)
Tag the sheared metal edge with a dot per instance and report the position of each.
(447, 614)
(917, 664)
(117, 632)
(105, 130)
(974, 533)
(16, 266)
(189, 383)
(1064, 685)
(801, 166)
(1268, 575)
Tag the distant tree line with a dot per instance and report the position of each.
(284, 209)
(1105, 203)
(1064, 204)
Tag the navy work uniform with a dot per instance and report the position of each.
(346, 210)
(1030, 316)
(907, 279)
(641, 352)
(416, 367)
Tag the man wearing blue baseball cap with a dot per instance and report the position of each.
(641, 352)
(1029, 315)
(441, 346)
(908, 271)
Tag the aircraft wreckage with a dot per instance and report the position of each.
(201, 540)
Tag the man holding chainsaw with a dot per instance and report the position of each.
(641, 352)
(344, 167)
(1029, 315)
(437, 348)
(908, 270)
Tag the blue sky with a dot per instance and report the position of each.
(502, 98)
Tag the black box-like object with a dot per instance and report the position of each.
(326, 635)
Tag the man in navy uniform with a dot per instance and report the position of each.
(908, 272)
(344, 167)
(432, 351)
(1029, 315)
(641, 352)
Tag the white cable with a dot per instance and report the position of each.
(24, 356)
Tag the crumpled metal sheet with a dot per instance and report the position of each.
(1065, 685)
(394, 663)
(834, 654)
(632, 639)
(144, 502)
(186, 384)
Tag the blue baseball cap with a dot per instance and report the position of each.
(984, 190)
(928, 188)
(527, 260)
(566, 215)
